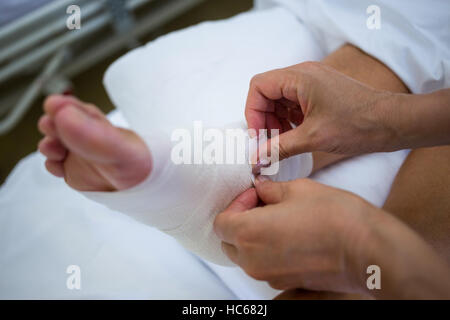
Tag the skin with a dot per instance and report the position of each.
(424, 176)
(294, 242)
(420, 196)
(354, 63)
(84, 148)
(363, 120)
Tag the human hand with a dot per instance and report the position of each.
(306, 236)
(311, 236)
(333, 112)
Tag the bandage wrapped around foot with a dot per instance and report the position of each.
(183, 195)
(187, 76)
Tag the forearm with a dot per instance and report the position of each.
(416, 121)
(409, 268)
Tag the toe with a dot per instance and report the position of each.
(56, 168)
(55, 103)
(87, 136)
(93, 111)
(52, 148)
(46, 126)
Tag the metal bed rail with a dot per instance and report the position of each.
(26, 45)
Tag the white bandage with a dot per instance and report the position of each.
(183, 200)
(200, 73)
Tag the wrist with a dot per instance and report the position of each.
(413, 121)
(387, 114)
(360, 248)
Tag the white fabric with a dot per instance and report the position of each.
(182, 200)
(413, 40)
(45, 226)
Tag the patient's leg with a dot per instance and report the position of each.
(178, 199)
(91, 154)
(420, 195)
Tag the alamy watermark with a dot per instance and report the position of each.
(373, 22)
(73, 22)
(73, 281)
(374, 280)
(199, 145)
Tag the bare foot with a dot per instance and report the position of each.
(91, 154)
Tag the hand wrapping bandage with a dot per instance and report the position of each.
(183, 77)
(182, 200)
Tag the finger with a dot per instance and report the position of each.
(52, 148)
(46, 126)
(295, 116)
(278, 121)
(264, 89)
(226, 224)
(273, 123)
(270, 192)
(55, 167)
(246, 201)
(231, 251)
(281, 111)
(288, 144)
(285, 125)
(289, 104)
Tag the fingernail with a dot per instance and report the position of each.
(262, 163)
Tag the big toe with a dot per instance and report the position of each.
(88, 136)
(53, 104)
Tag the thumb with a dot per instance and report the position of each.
(287, 144)
(292, 142)
(224, 225)
(268, 191)
(245, 201)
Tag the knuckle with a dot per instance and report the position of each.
(242, 237)
(283, 152)
(277, 285)
(256, 272)
(255, 80)
(309, 65)
(246, 235)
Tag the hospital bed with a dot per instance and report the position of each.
(56, 227)
(35, 41)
